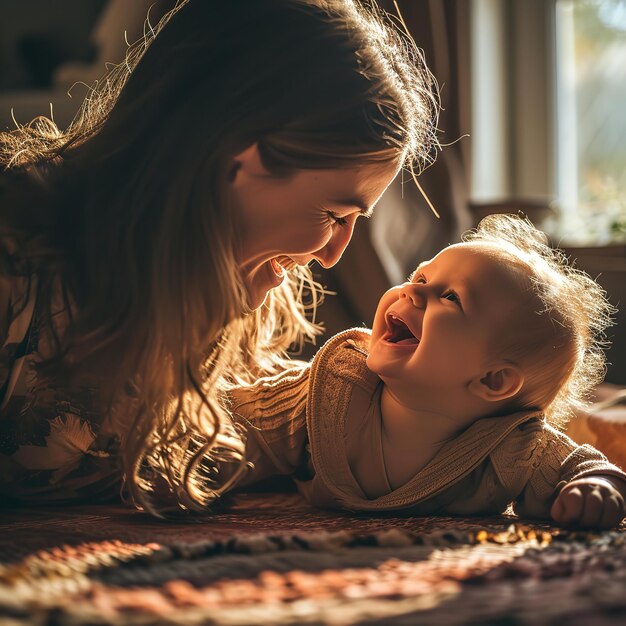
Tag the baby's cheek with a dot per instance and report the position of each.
(388, 298)
(379, 325)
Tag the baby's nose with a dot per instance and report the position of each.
(413, 293)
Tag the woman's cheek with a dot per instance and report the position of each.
(304, 236)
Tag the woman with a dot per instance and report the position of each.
(157, 251)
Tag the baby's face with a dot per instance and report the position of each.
(437, 329)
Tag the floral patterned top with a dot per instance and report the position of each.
(53, 445)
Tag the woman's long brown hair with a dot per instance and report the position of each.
(126, 213)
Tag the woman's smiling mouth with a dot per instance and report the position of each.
(279, 270)
(281, 263)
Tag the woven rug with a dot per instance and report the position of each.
(271, 559)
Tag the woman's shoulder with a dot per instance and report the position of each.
(6, 291)
(15, 292)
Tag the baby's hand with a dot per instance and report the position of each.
(592, 502)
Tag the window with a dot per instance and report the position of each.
(591, 119)
(548, 112)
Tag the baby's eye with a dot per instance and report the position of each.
(452, 296)
(342, 221)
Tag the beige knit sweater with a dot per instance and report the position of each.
(321, 422)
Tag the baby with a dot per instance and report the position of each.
(452, 403)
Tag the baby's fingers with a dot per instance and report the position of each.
(613, 512)
(568, 506)
(593, 509)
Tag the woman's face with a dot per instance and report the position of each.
(307, 216)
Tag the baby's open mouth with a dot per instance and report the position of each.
(398, 332)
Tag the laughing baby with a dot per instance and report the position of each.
(454, 402)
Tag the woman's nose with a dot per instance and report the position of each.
(332, 251)
(413, 292)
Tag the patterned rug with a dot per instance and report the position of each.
(271, 559)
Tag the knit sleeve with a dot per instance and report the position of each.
(559, 462)
(272, 397)
(272, 416)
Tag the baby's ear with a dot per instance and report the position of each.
(499, 383)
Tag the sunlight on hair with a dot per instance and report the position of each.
(430, 204)
(419, 187)
(566, 356)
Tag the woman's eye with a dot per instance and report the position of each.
(342, 221)
(420, 280)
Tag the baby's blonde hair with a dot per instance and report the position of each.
(561, 344)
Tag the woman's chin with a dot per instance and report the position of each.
(256, 300)
(260, 283)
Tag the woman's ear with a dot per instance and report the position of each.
(247, 162)
(498, 384)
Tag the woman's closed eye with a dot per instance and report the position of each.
(335, 219)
